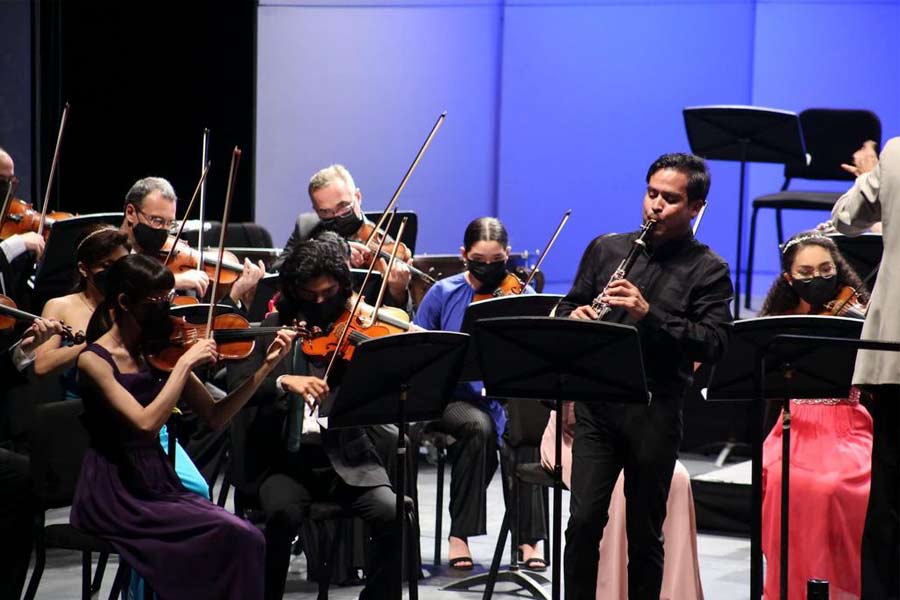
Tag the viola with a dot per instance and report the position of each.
(371, 236)
(184, 258)
(233, 335)
(362, 327)
(846, 304)
(510, 286)
(21, 217)
(10, 314)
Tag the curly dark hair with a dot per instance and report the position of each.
(95, 244)
(326, 254)
(782, 299)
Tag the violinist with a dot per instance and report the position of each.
(831, 439)
(677, 295)
(477, 423)
(127, 493)
(17, 506)
(337, 206)
(286, 457)
(149, 217)
(19, 251)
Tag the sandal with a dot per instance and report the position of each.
(463, 563)
(536, 563)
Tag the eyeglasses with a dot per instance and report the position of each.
(160, 299)
(827, 271)
(156, 222)
(340, 210)
(8, 184)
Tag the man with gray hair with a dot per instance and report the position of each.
(18, 252)
(337, 206)
(150, 214)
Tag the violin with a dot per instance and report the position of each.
(181, 257)
(361, 328)
(10, 314)
(21, 217)
(846, 304)
(233, 335)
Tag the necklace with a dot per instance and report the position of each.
(84, 298)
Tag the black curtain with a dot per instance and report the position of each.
(143, 79)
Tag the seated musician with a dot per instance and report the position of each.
(831, 439)
(477, 423)
(17, 507)
(337, 206)
(127, 492)
(293, 460)
(150, 215)
(19, 251)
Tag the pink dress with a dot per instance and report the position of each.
(831, 460)
(681, 572)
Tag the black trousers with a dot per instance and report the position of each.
(642, 440)
(881, 535)
(16, 522)
(474, 460)
(308, 478)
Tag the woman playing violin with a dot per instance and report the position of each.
(150, 215)
(831, 439)
(477, 423)
(128, 494)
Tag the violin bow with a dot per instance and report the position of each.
(187, 212)
(355, 309)
(204, 161)
(856, 289)
(699, 218)
(62, 126)
(384, 282)
(232, 174)
(6, 198)
(549, 245)
(409, 172)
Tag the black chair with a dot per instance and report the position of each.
(58, 444)
(240, 235)
(409, 234)
(831, 136)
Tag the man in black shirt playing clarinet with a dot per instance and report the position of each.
(677, 295)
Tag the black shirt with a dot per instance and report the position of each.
(688, 288)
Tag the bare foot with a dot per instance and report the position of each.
(460, 557)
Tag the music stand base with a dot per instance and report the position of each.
(529, 583)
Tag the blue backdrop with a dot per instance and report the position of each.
(552, 104)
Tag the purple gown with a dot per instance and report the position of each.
(183, 545)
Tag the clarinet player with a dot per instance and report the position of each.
(677, 293)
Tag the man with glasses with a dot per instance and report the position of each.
(18, 252)
(149, 219)
(337, 206)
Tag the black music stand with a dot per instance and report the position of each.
(863, 252)
(744, 134)
(549, 359)
(398, 379)
(56, 270)
(782, 372)
(523, 305)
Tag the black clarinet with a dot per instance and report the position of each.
(638, 245)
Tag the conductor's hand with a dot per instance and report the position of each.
(202, 352)
(627, 295)
(311, 389)
(864, 160)
(584, 313)
(279, 347)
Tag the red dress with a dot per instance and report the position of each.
(831, 467)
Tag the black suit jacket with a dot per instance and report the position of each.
(259, 430)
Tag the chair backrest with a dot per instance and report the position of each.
(526, 422)
(239, 235)
(58, 443)
(832, 136)
(412, 226)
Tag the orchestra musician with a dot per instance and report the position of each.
(477, 423)
(19, 251)
(831, 438)
(337, 206)
(874, 197)
(282, 449)
(150, 215)
(128, 493)
(17, 506)
(677, 296)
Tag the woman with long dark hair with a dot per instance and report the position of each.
(128, 493)
(831, 440)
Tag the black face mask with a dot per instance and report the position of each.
(489, 274)
(155, 321)
(344, 225)
(99, 278)
(816, 291)
(149, 239)
(324, 313)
